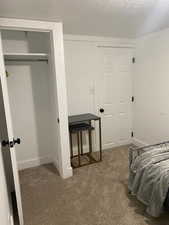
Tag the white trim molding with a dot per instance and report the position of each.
(138, 142)
(102, 41)
(25, 164)
(27, 25)
(58, 65)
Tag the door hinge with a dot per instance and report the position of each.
(132, 98)
(133, 60)
(132, 134)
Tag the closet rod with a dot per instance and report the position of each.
(26, 60)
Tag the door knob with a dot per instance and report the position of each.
(5, 143)
(17, 141)
(11, 143)
(102, 110)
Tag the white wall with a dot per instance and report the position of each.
(151, 88)
(82, 68)
(150, 81)
(81, 71)
(30, 100)
(80, 75)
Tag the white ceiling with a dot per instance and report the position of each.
(116, 18)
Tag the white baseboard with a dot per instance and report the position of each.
(138, 142)
(24, 164)
(116, 145)
(68, 172)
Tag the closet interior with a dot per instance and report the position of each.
(32, 97)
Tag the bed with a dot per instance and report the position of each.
(149, 176)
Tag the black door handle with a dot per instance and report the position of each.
(5, 143)
(17, 141)
(102, 110)
(11, 143)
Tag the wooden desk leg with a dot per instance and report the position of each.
(78, 145)
(81, 142)
(100, 138)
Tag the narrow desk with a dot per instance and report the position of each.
(87, 117)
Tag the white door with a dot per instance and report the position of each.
(5, 210)
(114, 92)
(10, 133)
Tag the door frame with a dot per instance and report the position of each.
(57, 60)
(62, 160)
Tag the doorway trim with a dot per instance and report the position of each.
(58, 65)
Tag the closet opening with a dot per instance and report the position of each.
(32, 97)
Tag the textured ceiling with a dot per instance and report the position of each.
(116, 18)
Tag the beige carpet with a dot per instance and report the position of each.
(95, 195)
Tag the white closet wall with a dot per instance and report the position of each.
(151, 89)
(30, 98)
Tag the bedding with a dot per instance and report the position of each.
(149, 177)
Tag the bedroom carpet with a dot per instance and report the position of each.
(95, 195)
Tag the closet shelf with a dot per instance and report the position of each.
(23, 57)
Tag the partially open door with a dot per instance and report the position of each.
(7, 124)
(5, 211)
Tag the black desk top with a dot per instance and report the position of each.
(82, 118)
